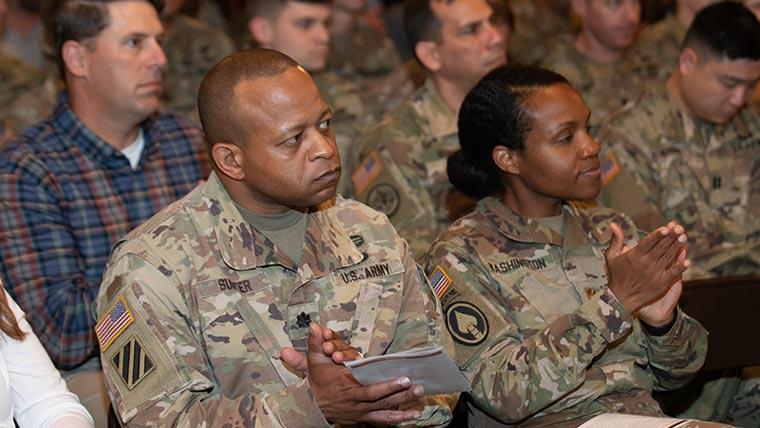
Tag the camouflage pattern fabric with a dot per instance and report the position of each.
(349, 114)
(34, 105)
(606, 88)
(196, 305)
(399, 167)
(16, 77)
(660, 164)
(543, 340)
(537, 30)
(192, 48)
(388, 92)
(362, 54)
(658, 45)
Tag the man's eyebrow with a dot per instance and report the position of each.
(303, 125)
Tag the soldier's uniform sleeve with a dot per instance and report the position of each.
(675, 357)
(513, 378)
(386, 181)
(420, 324)
(155, 364)
(629, 181)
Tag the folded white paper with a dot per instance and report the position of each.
(430, 367)
(616, 420)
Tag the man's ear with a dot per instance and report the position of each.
(688, 60)
(228, 159)
(261, 30)
(427, 53)
(75, 59)
(506, 160)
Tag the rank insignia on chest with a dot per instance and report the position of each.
(303, 320)
(132, 362)
(590, 292)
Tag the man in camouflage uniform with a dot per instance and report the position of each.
(192, 47)
(300, 29)
(222, 294)
(399, 165)
(658, 44)
(689, 151)
(596, 60)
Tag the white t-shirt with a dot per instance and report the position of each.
(133, 152)
(31, 389)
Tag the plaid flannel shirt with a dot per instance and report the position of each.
(66, 196)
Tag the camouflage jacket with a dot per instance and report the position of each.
(349, 114)
(537, 29)
(658, 46)
(192, 47)
(541, 337)
(399, 167)
(660, 164)
(34, 105)
(606, 88)
(207, 302)
(16, 78)
(363, 53)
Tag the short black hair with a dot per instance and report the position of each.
(216, 95)
(420, 22)
(494, 114)
(78, 20)
(725, 29)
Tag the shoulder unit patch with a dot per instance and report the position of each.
(466, 323)
(132, 362)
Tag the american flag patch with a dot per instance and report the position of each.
(610, 168)
(440, 281)
(367, 172)
(116, 320)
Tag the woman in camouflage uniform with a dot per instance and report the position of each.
(559, 313)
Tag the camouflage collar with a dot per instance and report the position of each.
(576, 231)
(430, 106)
(242, 247)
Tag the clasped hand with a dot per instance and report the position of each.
(647, 278)
(340, 397)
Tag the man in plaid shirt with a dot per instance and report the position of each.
(100, 165)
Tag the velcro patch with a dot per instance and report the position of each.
(440, 281)
(113, 323)
(368, 271)
(466, 323)
(132, 362)
(610, 168)
(366, 173)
